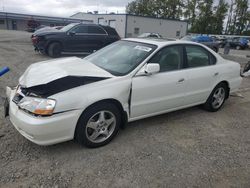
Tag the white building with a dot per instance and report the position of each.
(131, 26)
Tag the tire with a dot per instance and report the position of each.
(96, 127)
(238, 47)
(213, 104)
(54, 50)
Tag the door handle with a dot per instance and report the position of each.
(216, 74)
(181, 80)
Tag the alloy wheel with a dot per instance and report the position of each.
(218, 97)
(100, 126)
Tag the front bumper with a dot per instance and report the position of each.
(43, 130)
(39, 49)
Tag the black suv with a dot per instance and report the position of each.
(75, 37)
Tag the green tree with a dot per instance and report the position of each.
(238, 17)
(204, 20)
(157, 8)
(219, 16)
(190, 11)
(141, 7)
(241, 20)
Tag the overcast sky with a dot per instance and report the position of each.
(63, 8)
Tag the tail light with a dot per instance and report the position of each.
(34, 39)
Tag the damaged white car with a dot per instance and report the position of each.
(90, 99)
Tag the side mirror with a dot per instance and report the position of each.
(149, 69)
(72, 33)
(152, 68)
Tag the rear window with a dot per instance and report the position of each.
(196, 56)
(95, 30)
(111, 31)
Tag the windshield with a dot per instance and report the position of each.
(121, 57)
(68, 27)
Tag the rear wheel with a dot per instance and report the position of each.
(238, 47)
(216, 98)
(54, 50)
(98, 125)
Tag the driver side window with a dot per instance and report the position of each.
(169, 58)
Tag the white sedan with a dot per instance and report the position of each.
(90, 99)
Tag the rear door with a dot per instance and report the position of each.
(162, 91)
(77, 39)
(85, 38)
(96, 37)
(201, 74)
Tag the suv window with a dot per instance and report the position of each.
(153, 36)
(197, 56)
(169, 58)
(81, 29)
(110, 30)
(96, 30)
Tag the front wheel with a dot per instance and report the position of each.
(216, 98)
(98, 125)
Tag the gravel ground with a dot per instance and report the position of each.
(187, 148)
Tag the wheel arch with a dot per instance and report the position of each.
(52, 41)
(117, 103)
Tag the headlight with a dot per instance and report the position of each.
(38, 106)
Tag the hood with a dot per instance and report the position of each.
(48, 71)
(48, 31)
(45, 30)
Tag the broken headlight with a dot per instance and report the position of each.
(38, 106)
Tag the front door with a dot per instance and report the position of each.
(163, 91)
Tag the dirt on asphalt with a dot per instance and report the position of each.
(187, 148)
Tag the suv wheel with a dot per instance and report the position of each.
(98, 125)
(54, 49)
(238, 47)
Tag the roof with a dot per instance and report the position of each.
(160, 42)
(125, 14)
(164, 42)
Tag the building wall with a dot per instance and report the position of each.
(118, 21)
(21, 24)
(137, 25)
(3, 23)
